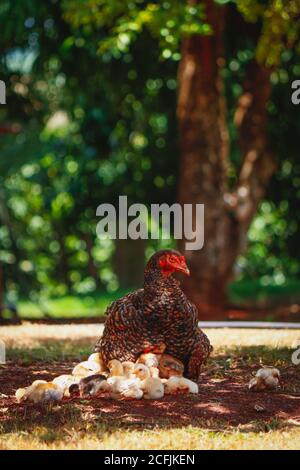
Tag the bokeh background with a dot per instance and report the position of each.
(164, 102)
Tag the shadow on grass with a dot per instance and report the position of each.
(223, 404)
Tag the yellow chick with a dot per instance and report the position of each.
(141, 371)
(116, 368)
(121, 383)
(128, 368)
(94, 365)
(125, 387)
(153, 388)
(149, 359)
(21, 394)
(265, 378)
(180, 385)
(132, 392)
(154, 372)
(40, 392)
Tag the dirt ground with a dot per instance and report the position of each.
(224, 399)
(223, 395)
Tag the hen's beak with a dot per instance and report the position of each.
(182, 267)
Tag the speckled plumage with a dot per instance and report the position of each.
(158, 318)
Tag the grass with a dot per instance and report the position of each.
(77, 426)
(246, 293)
(84, 435)
(259, 293)
(69, 306)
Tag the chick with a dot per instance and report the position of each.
(122, 382)
(180, 385)
(265, 378)
(116, 368)
(121, 386)
(128, 368)
(149, 359)
(23, 393)
(74, 389)
(93, 365)
(92, 384)
(132, 392)
(153, 388)
(141, 372)
(154, 372)
(151, 385)
(169, 366)
(40, 392)
(64, 382)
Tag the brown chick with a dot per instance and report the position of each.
(169, 366)
(92, 384)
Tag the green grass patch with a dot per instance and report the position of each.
(69, 306)
(263, 291)
(244, 293)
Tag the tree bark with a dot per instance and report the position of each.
(204, 161)
(1, 290)
(92, 267)
(129, 261)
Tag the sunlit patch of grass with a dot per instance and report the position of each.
(69, 306)
(48, 353)
(103, 435)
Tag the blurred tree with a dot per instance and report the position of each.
(82, 139)
(91, 99)
(194, 32)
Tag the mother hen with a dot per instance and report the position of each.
(158, 318)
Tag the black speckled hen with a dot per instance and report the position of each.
(158, 318)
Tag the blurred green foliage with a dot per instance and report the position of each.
(91, 92)
(280, 26)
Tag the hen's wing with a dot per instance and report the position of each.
(201, 348)
(125, 334)
(186, 340)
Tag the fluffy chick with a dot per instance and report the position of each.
(267, 378)
(116, 368)
(40, 392)
(153, 388)
(121, 386)
(133, 392)
(180, 385)
(154, 372)
(92, 385)
(93, 365)
(127, 385)
(169, 366)
(23, 393)
(142, 372)
(128, 368)
(65, 382)
(149, 359)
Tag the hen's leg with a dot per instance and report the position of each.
(198, 357)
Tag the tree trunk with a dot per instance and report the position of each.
(204, 162)
(1, 290)
(92, 267)
(128, 261)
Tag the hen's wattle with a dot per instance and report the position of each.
(158, 318)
